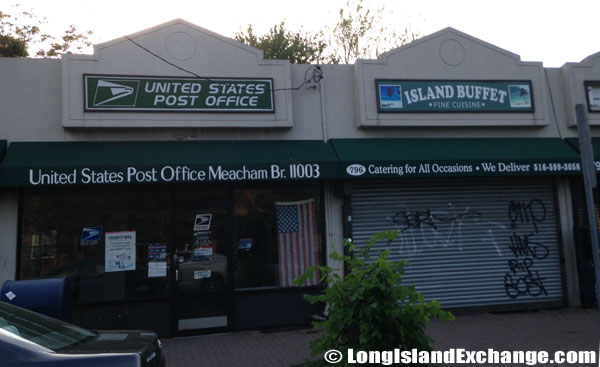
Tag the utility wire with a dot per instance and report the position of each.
(309, 81)
(165, 60)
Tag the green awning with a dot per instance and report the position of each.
(574, 143)
(62, 163)
(595, 146)
(387, 158)
(2, 149)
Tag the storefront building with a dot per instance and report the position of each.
(182, 182)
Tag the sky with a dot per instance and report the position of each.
(550, 31)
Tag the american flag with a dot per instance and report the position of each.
(297, 240)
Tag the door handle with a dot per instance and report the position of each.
(176, 262)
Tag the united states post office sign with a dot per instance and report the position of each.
(148, 94)
(454, 96)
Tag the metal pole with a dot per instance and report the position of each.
(589, 180)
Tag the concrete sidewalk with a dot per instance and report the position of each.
(548, 330)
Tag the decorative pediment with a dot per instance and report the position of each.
(189, 74)
(581, 82)
(451, 60)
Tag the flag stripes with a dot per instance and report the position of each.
(296, 240)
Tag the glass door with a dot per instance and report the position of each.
(201, 256)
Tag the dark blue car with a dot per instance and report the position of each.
(31, 339)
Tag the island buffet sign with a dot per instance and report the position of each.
(454, 96)
(121, 93)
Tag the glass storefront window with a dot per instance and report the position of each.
(64, 233)
(269, 237)
(277, 235)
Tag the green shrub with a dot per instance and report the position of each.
(369, 309)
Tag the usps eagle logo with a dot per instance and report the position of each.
(116, 93)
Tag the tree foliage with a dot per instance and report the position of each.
(360, 32)
(12, 47)
(369, 308)
(72, 40)
(279, 43)
(21, 32)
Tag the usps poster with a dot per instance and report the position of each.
(202, 222)
(90, 236)
(120, 251)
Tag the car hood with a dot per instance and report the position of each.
(145, 343)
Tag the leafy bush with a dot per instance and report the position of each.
(369, 309)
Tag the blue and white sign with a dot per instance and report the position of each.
(157, 252)
(202, 274)
(207, 251)
(91, 235)
(202, 222)
(245, 243)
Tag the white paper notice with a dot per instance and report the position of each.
(120, 251)
(157, 269)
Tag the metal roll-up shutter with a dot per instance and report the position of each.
(474, 242)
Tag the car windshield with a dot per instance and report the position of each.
(45, 331)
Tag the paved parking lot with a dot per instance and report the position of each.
(549, 330)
